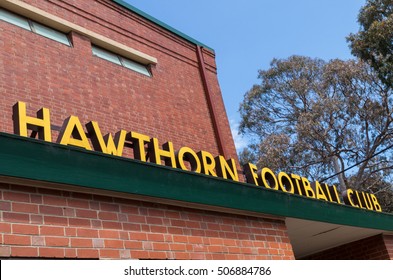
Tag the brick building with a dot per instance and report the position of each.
(102, 67)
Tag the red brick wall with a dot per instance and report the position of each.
(46, 223)
(388, 239)
(378, 247)
(170, 106)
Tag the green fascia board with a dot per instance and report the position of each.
(160, 23)
(32, 159)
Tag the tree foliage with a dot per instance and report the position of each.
(374, 41)
(316, 118)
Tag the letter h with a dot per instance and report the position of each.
(40, 125)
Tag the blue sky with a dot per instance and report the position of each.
(246, 35)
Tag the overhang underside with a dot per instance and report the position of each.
(313, 225)
(310, 237)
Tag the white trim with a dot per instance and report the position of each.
(60, 24)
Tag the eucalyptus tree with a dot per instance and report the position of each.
(373, 43)
(317, 118)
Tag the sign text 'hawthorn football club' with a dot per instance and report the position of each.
(72, 133)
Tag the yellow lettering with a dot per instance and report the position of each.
(208, 163)
(297, 180)
(187, 154)
(286, 186)
(226, 167)
(99, 142)
(250, 173)
(358, 198)
(336, 194)
(327, 188)
(348, 198)
(167, 154)
(307, 188)
(367, 201)
(320, 194)
(139, 141)
(377, 206)
(269, 179)
(40, 124)
(72, 134)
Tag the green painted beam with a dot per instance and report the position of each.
(160, 23)
(49, 162)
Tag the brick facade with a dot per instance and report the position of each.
(37, 222)
(379, 247)
(170, 106)
(388, 240)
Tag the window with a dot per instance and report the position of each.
(122, 61)
(14, 19)
(34, 27)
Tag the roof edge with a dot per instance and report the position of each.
(160, 23)
(37, 160)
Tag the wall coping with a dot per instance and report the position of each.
(36, 160)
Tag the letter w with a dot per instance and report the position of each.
(106, 144)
